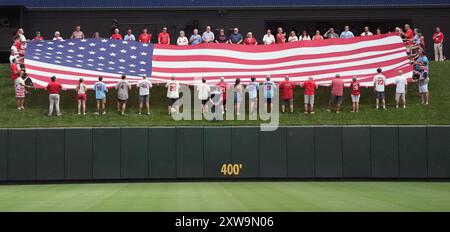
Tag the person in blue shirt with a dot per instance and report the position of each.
(269, 92)
(422, 60)
(100, 95)
(252, 89)
(195, 38)
(129, 36)
(347, 33)
(236, 37)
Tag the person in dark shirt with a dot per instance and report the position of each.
(222, 38)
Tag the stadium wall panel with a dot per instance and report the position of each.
(438, 152)
(217, 150)
(328, 152)
(245, 150)
(356, 152)
(134, 153)
(21, 154)
(78, 154)
(163, 152)
(3, 154)
(272, 153)
(300, 152)
(413, 152)
(106, 153)
(384, 152)
(200, 152)
(190, 160)
(50, 154)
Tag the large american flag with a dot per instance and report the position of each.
(72, 59)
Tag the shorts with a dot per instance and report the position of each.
(237, 98)
(81, 97)
(171, 101)
(287, 102)
(268, 100)
(101, 100)
(122, 101)
(336, 99)
(400, 95)
(379, 95)
(20, 94)
(144, 98)
(423, 88)
(309, 99)
(355, 98)
(204, 102)
(254, 100)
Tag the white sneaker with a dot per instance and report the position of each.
(104, 113)
(404, 107)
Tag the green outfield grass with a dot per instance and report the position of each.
(227, 196)
(36, 108)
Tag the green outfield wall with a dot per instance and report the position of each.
(421, 152)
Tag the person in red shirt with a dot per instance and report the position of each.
(337, 91)
(145, 37)
(310, 87)
(250, 40)
(408, 35)
(116, 35)
(53, 89)
(281, 36)
(355, 94)
(38, 36)
(287, 93)
(164, 37)
(16, 71)
(223, 87)
(317, 36)
(438, 39)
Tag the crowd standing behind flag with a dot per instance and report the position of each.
(412, 38)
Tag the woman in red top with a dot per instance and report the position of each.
(317, 36)
(250, 40)
(356, 93)
(145, 37)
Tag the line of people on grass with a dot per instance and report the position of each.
(217, 94)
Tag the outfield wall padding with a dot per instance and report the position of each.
(50, 154)
(3, 154)
(418, 152)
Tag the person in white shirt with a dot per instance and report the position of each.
(129, 36)
(13, 55)
(21, 35)
(182, 39)
(203, 90)
(81, 90)
(366, 32)
(304, 36)
(400, 91)
(268, 38)
(58, 36)
(293, 37)
(144, 86)
(208, 35)
(379, 83)
(173, 94)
